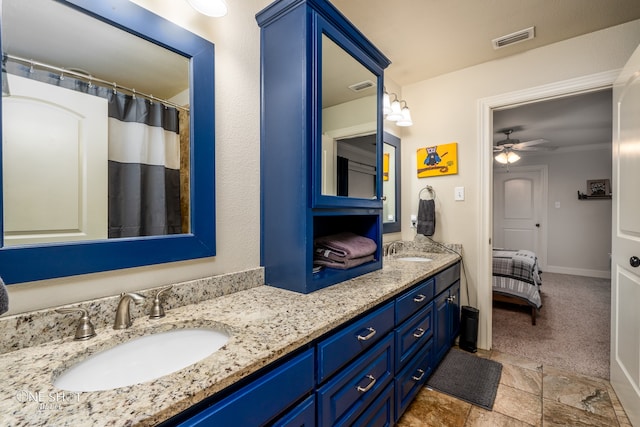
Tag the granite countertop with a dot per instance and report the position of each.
(265, 323)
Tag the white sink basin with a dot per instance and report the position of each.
(141, 359)
(414, 259)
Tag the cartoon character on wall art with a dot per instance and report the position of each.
(437, 160)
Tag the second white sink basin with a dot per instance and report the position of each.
(141, 359)
(414, 259)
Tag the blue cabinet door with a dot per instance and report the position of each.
(262, 400)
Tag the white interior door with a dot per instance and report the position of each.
(518, 211)
(55, 175)
(625, 269)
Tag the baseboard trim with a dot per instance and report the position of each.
(601, 274)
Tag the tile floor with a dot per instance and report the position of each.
(529, 394)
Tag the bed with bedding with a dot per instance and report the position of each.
(516, 279)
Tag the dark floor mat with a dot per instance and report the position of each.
(467, 377)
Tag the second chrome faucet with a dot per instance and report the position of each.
(123, 315)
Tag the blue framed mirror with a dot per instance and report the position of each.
(391, 208)
(60, 220)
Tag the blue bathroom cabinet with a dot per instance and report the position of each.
(295, 207)
(364, 372)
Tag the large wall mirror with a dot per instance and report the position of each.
(350, 152)
(107, 139)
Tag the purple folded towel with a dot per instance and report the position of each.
(343, 265)
(344, 245)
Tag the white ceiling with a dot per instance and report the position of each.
(426, 38)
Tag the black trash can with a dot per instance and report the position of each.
(469, 329)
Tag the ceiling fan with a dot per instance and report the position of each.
(507, 148)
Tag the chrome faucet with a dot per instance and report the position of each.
(123, 316)
(391, 249)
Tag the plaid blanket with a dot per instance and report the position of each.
(516, 273)
(517, 264)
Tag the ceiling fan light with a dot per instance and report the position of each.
(214, 8)
(512, 157)
(501, 158)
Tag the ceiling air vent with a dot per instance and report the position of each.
(517, 37)
(358, 87)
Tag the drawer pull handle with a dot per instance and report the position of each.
(368, 387)
(419, 333)
(367, 337)
(421, 372)
(419, 298)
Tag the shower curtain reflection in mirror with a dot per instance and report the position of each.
(143, 150)
(144, 168)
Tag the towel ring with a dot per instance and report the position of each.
(431, 192)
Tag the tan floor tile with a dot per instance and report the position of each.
(522, 379)
(511, 359)
(584, 393)
(518, 404)
(479, 417)
(560, 415)
(432, 408)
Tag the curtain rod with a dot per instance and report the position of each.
(90, 79)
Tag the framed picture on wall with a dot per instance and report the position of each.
(598, 187)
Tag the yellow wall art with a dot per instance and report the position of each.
(437, 160)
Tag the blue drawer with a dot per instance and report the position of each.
(263, 399)
(380, 412)
(344, 398)
(339, 349)
(303, 415)
(411, 379)
(414, 300)
(413, 334)
(445, 278)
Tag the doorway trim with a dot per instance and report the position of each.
(485, 107)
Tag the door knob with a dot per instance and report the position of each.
(634, 261)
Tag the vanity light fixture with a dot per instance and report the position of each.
(394, 111)
(405, 120)
(214, 8)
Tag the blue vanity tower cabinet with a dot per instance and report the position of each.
(294, 210)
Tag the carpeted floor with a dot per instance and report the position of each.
(572, 330)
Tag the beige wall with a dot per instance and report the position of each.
(445, 109)
(237, 85)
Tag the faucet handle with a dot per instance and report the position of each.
(85, 329)
(157, 311)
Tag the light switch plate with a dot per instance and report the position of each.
(459, 193)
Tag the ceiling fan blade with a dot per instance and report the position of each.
(524, 144)
(534, 149)
(497, 148)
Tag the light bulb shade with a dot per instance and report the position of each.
(214, 8)
(396, 112)
(505, 158)
(512, 157)
(386, 104)
(406, 118)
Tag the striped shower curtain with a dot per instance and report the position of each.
(144, 168)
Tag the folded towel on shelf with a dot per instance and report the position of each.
(4, 298)
(343, 265)
(426, 217)
(344, 245)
